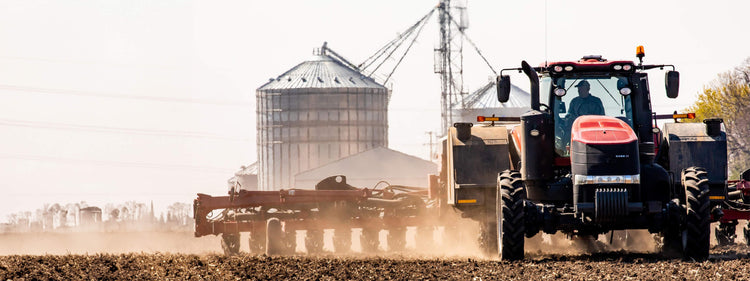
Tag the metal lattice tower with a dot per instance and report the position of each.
(453, 21)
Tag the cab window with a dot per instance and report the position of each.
(587, 96)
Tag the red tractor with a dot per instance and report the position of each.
(587, 161)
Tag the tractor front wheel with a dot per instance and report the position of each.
(510, 213)
(696, 235)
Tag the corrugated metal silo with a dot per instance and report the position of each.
(315, 113)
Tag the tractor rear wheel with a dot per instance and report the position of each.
(696, 235)
(510, 213)
(274, 239)
(230, 243)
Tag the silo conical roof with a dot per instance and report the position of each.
(321, 71)
(486, 97)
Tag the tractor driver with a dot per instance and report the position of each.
(584, 103)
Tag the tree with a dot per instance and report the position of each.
(728, 97)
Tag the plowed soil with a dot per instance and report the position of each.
(180, 256)
(726, 263)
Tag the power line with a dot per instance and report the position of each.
(120, 96)
(43, 158)
(105, 129)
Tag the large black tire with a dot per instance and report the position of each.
(696, 235)
(274, 237)
(671, 242)
(230, 243)
(510, 212)
(314, 241)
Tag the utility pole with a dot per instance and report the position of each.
(431, 144)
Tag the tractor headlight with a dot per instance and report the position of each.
(558, 68)
(617, 67)
(569, 68)
(627, 67)
(559, 92)
(625, 91)
(620, 179)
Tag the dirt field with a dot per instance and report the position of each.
(725, 264)
(160, 256)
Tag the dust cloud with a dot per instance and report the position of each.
(62, 243)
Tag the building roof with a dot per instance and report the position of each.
(321, 71)
(486, 97)
(251, 169)
(367, 168)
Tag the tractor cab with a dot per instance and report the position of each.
(591, 86)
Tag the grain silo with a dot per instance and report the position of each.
(483, 102)
(317, 112)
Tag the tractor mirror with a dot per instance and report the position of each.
(672, 82)
(503, 88)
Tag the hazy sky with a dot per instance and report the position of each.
(107, 101)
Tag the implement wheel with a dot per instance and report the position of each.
(342, 240)
(696, 235)
(397, 239)
(230, 243)
(257, 241)
(314, 241)
(510, 213)
(726, 233)
(370, 240)
(274, 237)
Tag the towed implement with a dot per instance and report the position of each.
(272, 218)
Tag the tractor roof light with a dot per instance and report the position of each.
(558, 68)
(617, 67)
(627, 67)
(640, 53)
(569, 68)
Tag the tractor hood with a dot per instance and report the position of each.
(594, 129)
